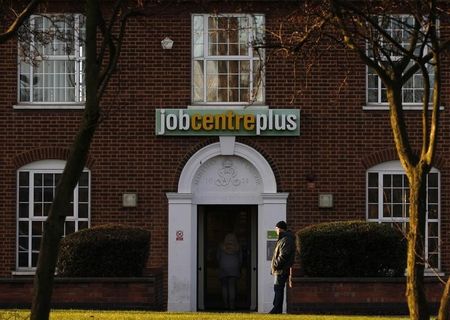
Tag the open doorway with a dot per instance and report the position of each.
(215, 222)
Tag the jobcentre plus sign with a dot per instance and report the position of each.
(270, 122)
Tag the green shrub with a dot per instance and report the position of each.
(351, 249)
(104, 251)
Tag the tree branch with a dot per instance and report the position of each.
(15, 25)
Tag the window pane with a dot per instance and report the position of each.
(387, 212)
(433, 212)
(38, 195)
(373, 211)
(432, 196)
(433, 245)
(36, 243)
(397, 180)
(433, 260)
(397, 196)
(84, 179)
(38, 179)
(397, 210)
(373, 195)
(48, 194)
(83, 194)
(23, 259)
(82, 225)
(432, 180)
(387, 195)
(387, 180)
(23, 244)
(373, 180)
(38, 209)
(433, 229)
(23, 210)
(24, 179)
(83, 210)
(23, 228)
(36, 228)
(48, 179)
(23, 194)
(34, 258)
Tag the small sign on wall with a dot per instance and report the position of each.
(179, 235)
(272, 238)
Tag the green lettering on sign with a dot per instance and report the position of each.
(272, 235)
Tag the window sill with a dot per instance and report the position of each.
(228, 106)
(430, 273)
(384, 107)
(44, 106)
(23, 273)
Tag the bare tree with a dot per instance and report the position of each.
(414, 47)
(12, 20)
(104, 38)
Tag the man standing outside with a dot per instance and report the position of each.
(282, 261)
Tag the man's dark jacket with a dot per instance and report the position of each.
(284, 254)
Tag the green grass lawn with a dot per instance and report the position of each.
(144, 315)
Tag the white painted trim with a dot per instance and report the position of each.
(182, 218)
(406, 107)
(221, 105)
(393, 165)
(37, 106)
(248, 153)
(227, 145)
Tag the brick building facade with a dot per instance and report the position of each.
(344, 143)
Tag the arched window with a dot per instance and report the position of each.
(388, 202)
(36, 184)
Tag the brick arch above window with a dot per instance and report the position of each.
(386, 155)
(45, 154)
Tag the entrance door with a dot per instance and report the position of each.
(215, 222)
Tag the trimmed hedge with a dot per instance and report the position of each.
(104, 251)
(351, 249)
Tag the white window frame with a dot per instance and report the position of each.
(395, 168)
(78, 58)
(205, 57)
(44, 166)
(384, 105)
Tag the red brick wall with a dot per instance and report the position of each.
(338, 139)
(356, 295)
(106, 293)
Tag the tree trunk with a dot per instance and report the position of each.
(415, 291)
(54, 225)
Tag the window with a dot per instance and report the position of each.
(388, 202)
(51, 60)
(36, 184)
(413, 90)
(226, 64)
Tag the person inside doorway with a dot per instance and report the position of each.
(282, 261)
(229, 256)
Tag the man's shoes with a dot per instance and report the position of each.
(275, 311)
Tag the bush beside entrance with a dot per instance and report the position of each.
(351, 249)
(104, 251)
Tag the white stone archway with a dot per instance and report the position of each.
(220, 173)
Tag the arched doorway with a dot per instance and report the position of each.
(221, 174)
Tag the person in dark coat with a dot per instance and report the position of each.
(282, 261)
(229, 256)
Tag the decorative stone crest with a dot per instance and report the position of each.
(227, 174)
